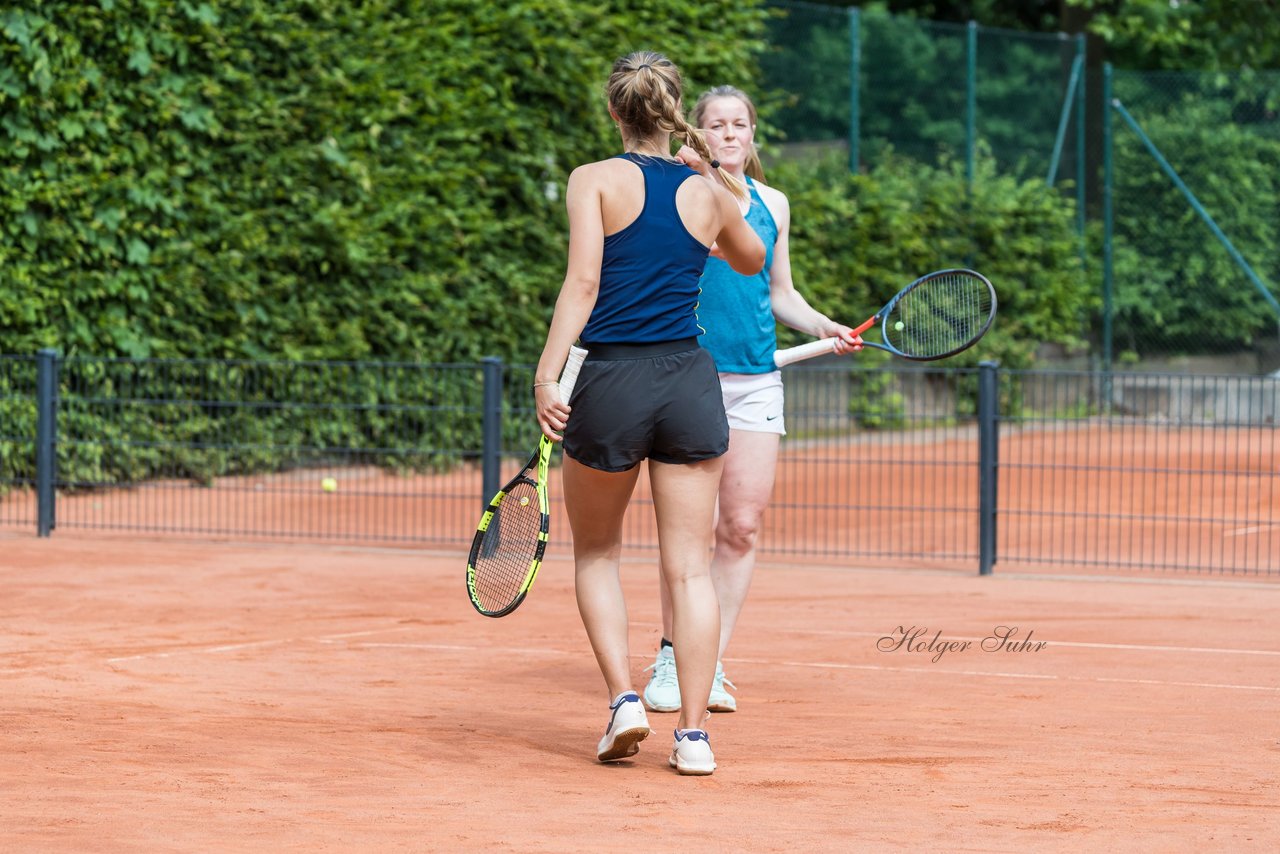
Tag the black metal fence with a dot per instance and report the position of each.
(980, 468)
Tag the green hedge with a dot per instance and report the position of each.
(298, 180)
(336, 180)
(309, 178)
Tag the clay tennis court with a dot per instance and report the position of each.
(162, 694)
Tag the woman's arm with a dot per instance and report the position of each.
(788, 304)
(737, 242)
(577, 296)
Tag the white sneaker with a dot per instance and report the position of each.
(692, 754)
(720, 699)
(628, 726)
(662, 694)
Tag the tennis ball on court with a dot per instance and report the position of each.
(899, 325)
(329, 484)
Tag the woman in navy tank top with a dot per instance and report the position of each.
(640, 227)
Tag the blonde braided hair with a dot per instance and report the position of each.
(645, 91)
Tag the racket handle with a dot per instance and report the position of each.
(569, 377)
(813, 349)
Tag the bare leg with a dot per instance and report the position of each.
(684, 502)
(745, 490)
(595, 502)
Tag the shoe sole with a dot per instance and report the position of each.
(627, 743)
(729, 705)
(711, 707)
(691, 770)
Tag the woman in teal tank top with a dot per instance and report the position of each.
(738, 315)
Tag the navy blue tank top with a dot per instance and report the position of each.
(650, 269)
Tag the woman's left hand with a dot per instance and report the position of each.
(693, 160)
(846, 341)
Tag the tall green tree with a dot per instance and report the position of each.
(1187, 34)
(1033, 15)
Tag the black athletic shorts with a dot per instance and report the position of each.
(633, 401)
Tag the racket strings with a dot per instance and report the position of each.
(939, 316)
(508, 548)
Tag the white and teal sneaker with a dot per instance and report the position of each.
(691, 755)
(720, 699)
(662, 694)
(628, 726)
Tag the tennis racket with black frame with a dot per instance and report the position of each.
(937, 315)
(511, 538)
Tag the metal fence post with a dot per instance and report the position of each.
(855, 85)
(1082, 56)
(1108, 273)
(46, 442)
(491, 452)
(971, 104)
(988, 462)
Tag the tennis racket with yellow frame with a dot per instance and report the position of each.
(511, 538)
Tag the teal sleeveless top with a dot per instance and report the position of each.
(741, 334)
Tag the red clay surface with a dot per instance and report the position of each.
(161, 695)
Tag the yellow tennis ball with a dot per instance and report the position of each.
(899, 326)
(524, 500)
(329, 484)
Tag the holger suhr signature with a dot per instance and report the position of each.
(915, 639)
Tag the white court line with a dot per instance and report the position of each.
(1048, 643)
(33, 669)
(176, 652)
(451, 647)
(1111, 679)
(250, 644)
(1253, 529)
(326, 638)
(821, 665)
(545, 651)
(214, 649)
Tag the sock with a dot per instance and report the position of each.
(665, 643)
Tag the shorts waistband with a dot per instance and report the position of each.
(612, 352)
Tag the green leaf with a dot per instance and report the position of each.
(140, 61)
(70, 128)
(138, 252)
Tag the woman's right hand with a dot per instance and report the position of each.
(553, 414)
